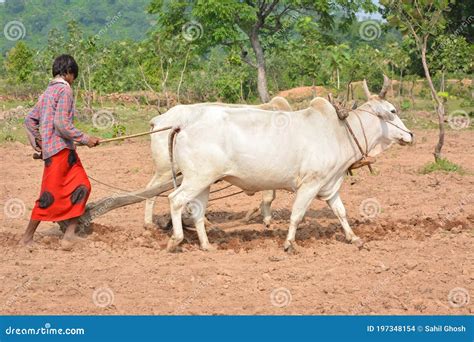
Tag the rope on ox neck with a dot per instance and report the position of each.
(343, 114)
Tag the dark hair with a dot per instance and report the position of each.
(65, 64)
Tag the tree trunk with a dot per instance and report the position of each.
(412, 97)
(182, 73)
(261, 71)
(439, 103)
(442, 80)
(400, 86)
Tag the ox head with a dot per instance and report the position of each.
(393, 129)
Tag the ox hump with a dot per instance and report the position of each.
(277, 103)
(321, 105)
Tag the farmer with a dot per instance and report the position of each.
(65, 187)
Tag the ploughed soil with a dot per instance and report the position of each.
(418, 257)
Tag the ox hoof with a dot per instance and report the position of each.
(173, 244)
(267, 223)
(358, 242)
(208, 248)
(290, 247)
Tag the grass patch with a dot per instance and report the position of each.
(442, 165)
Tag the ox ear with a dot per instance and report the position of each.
(366, 89)
(386, 84)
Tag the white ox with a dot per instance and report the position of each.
(189, 114)
(253, 150)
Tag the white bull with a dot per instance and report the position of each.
(307, 151)
(189, 114)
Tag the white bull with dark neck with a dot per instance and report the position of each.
(253, 150)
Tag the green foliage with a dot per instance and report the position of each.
(444, 95)
(442, 165)
(406, 104)
(39, 17)
(119, 130)
(19, 63)
(201, 50)
(452, 54)
(417, 18)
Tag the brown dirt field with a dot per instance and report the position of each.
(420, 246)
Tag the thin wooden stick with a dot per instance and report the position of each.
(39, 155)
(134, 135)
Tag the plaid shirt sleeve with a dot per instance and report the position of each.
(32, 122)
(63, 118)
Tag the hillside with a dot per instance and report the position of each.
(33, 19)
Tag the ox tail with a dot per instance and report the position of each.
(171, 143)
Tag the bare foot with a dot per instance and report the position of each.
(26, 241)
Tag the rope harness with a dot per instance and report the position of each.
(343, 114)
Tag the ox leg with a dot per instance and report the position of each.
(176, 208)
(198, 207)
(178, 201)
(335, 203)
(304, 196)
(267, 199)
(150, 202)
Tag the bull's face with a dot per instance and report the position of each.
(393, 129)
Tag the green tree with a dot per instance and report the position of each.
(451, 53)
(399, 59)
(422, 20)
(337, 58)
(19, 63)
(245, 24)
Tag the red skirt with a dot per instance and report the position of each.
(64, 190)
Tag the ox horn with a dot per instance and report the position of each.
(386, 84)
(366, 89)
